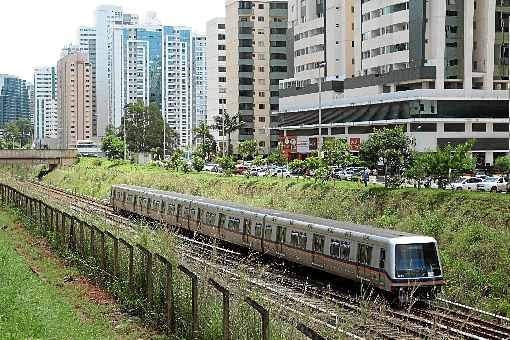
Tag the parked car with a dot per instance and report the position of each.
(282, 172)
(339, 173)
(357, 175)
(465, 184)
(211, 167)
(493, 184)
(241, 169)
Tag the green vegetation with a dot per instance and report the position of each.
(39, 300)
(473, 229)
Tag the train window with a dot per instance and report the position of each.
(318, 243)
(382, 258)
(259, 230)
(124, 197)
(281, 234)
(365, 254)
(147, 202)
(334, 249)
(268, 233)
(298, 239)
(345, 250)
(210, 218)
(234, 223)
(247, 227)
(171, 209)
(221, 222)
(199, 214)
(162, 207)
(130, 198)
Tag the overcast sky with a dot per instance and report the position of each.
(32, 32)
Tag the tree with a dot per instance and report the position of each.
(277, 158)
(229, 124)
(391, 147)
(207, 145)
(144, 130)
(259, 161)
(228, 164)
(248, 149)
(25, 128)
(298, 166)
(112, 144)
(502, 164)
(449, 162)
(419, 168)
(176, 161)
(12, 135)
(337, 153)
(198, 163)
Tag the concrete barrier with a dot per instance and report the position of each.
(57, 158)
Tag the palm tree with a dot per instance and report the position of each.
(201, 132)
(232, 124)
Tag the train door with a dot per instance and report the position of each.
(318, 250)
(281, 239)
(221, 225)
(247, 224)
(382, 265)
(364, 259)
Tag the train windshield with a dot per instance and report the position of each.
(417, 260)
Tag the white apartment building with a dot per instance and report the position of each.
(216, 73)
(256, 43)
(107, 18)
(45, 100)
(199, 79)
(439, 69)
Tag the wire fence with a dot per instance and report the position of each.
(145, 278)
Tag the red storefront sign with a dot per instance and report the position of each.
(355, 144)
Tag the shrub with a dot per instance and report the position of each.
(198, 164)
(228, 164)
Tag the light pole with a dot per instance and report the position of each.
(223, 126)
(319, 144)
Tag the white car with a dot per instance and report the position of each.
(466, 184)
(493, 184)
(280, 173)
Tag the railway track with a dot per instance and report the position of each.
(443, 319)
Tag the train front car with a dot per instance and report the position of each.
(416, 268)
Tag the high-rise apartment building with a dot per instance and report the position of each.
(256, 44)
(14, 102)
(216, 73)
(74, 95)
(87, 43)
(438, 69)
(45, 99)
(107, 18)
(163, 65)
(199, 79)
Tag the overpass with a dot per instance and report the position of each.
(52, 158)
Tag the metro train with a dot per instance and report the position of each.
(398, 263)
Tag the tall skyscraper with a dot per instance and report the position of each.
(107, 18)
(87, 43)
(256, 62)
(216, 73)
(74, 100)
(45, 98)
(14, 102)
(163, 65)
(199, 79)
(438, 69)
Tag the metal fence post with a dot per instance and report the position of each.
(169, 295)
(82, 239)
(226, 307)
(264, 315)
(103, 250)
(147, 259)
(309, 333)
(194, 301)
(92, 242)
(72, 234)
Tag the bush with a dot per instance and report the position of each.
(198, 164)
(227, 163)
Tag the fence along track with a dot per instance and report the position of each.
(326, 304)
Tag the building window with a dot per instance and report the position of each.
(454, 127)
(262, 106)
(262, 119)
(500, 128)
(479, 127)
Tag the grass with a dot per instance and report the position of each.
(473, 229)
(40, 301)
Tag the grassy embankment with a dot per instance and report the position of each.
(473, 228)
(39, 298)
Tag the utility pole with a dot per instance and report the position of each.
(223, 125)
